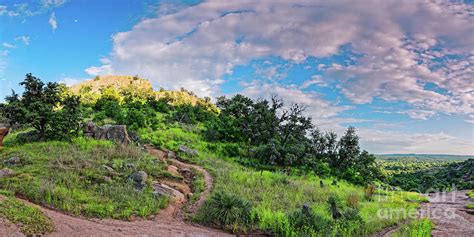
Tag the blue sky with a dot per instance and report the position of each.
(402, 75)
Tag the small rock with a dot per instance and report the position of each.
(12, 161)
(110, 170)
(6, 172)
(107, 179)
(139, 178)
(130, 165)
(190, 195)
(165, 190)
(173, 170)
(187, 150)
(171, 155)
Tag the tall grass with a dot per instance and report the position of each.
(415, 228)
(276, 196)
(76, 177)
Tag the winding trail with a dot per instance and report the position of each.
(169, 221)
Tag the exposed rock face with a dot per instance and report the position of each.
(139, 178)
(4, 129)
(116, 133)
(187, 150)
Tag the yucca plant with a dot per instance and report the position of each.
(228, 211)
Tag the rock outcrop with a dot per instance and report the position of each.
(4, 129)
(116, 133)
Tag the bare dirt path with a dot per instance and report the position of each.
(447, 211)
(169, 222)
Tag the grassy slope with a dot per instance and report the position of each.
(30, 219)
(273, 194)
(71, 177)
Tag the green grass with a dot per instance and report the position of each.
(416, 228)
(71, 177)
(30, 219)
(470, 206)
(275, 195)
(470, 194)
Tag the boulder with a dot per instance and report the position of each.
(5, 172)
(116, 133)
(160, 189)
(139, 178)
(4, 129)
(12, 161)
(187, 150)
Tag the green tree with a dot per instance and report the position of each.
(43, 107)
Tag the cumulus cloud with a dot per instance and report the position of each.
(53, 22)
(397, 46)
(418, 52)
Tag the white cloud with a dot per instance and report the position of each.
(387, 142)
(317, 107)
(8, 45)
(24, 39)
(53, 22)
(32, 8)
(398, 43)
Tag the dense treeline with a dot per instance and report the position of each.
(274, 135)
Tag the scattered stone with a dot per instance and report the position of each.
(5, 172)
(160, 189)
(130, 165)
(171, 155)
(190, 195)
(139, 178)
(4, 129)
(12, 161)
(173, 170)
(107, 179)
(187, 150)
(110, 170)
(116, 133)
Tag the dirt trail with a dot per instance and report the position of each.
(169, 222)
(447, 211)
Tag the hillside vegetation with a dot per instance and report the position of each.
(274, 170)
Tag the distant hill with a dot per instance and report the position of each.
(118, 86)
(424, 157)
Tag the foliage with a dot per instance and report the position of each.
(30, 219)
(416, 228)
(278, 137)
(227, 211)
(43, 107)
(276, 195)
(73, 177)
(431, 175)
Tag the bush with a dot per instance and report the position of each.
(305, 221)
(227, 211)
(370, 191)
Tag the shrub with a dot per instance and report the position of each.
(227, 211)
(353, 200)
(305, 220)
(370, 191)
